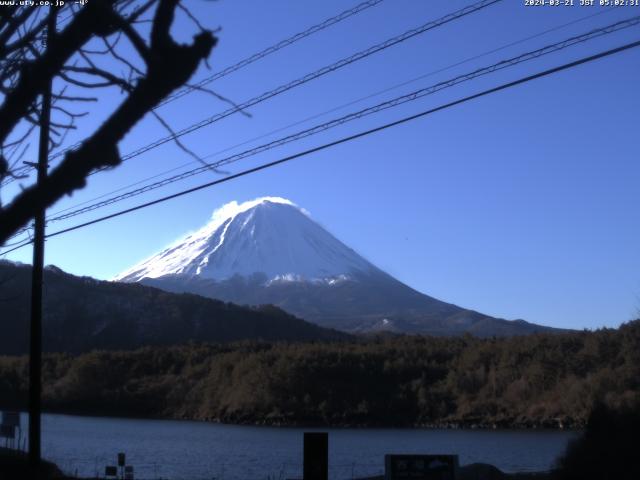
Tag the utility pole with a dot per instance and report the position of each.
(35, 345)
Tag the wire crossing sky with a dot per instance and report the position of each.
(356, 136)
(518, 204)
(255, 57)
(604, 30)
(413, 96)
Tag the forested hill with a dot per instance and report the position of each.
(537, 380)
(82, 314)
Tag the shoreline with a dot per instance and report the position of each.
(283, 423)
(14, 463)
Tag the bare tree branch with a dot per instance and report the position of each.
(33, 77)
(169, 65)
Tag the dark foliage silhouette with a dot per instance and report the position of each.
(540, 380)
(158, 67)
(608, 448)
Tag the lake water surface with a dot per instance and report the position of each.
(196, 450)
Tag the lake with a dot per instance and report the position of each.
(196, 450)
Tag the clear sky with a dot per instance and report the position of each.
(522, 204)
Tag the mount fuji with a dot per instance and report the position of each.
(270, 251)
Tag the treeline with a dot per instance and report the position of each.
(538, 380)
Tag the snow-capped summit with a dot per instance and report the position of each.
(270, 251)
(269, 235)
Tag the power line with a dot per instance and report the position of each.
(272, 49)
(312, 76)
(247, 61)
(24, 244)
(352, 102)
(349, 138)
(17, 172)
(257, 56)
(14, 243)
(26, 168)
(415, 95)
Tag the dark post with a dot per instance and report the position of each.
(35, 346)
(316, 456)
(121, 463)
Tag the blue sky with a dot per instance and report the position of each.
(519, 205)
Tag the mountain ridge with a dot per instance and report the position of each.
(82, 314)
(270, 251)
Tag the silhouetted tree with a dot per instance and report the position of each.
(99, 33)
(607, 449)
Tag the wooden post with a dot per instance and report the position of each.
(316, 456)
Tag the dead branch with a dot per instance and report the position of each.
(169, 65)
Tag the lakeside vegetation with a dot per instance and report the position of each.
(539, 380)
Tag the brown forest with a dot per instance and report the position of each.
(540, 380)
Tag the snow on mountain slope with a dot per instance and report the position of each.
(269, 235)
(269, 251)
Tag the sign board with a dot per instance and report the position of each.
(11, 418)
(8, 431)
(111, 471)
(420, 467)
(128, 472)
(121, 460)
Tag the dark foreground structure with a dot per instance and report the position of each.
(608, 449)
(14, 465)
